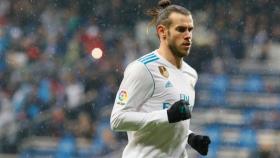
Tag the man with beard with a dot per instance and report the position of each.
(156, 96)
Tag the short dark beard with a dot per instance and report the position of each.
(175, 51)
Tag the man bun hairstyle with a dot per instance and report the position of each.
(164, 3)
(160, 14)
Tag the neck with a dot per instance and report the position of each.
(166, 53)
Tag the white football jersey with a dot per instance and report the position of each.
(150, 86)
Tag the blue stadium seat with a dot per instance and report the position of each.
(66, 147)
(248, 138)
(219, 88)
(248, 116)
(254, 83)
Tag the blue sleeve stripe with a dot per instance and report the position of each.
(151, 60)
(146, 59)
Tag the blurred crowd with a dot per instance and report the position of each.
(50, 85)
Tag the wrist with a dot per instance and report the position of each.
(191, 138)
(172, 118)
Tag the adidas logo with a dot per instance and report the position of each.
(168, 84)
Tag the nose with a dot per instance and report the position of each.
(188, 35)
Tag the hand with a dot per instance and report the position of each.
(179, 111)
(199, 143)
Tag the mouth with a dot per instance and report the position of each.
(187, 44)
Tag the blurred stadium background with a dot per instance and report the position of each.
(56, 99)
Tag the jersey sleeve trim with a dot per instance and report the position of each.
(148, 58)
(152, 79)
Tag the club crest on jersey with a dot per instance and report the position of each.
(163, 71)
(122, 97)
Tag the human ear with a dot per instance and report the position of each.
(161, 30)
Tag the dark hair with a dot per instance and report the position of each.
(161, 13)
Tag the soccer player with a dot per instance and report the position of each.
(156, 96)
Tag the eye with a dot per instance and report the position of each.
(181, 29)
(190, 29)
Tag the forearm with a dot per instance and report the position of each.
(133, 121)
